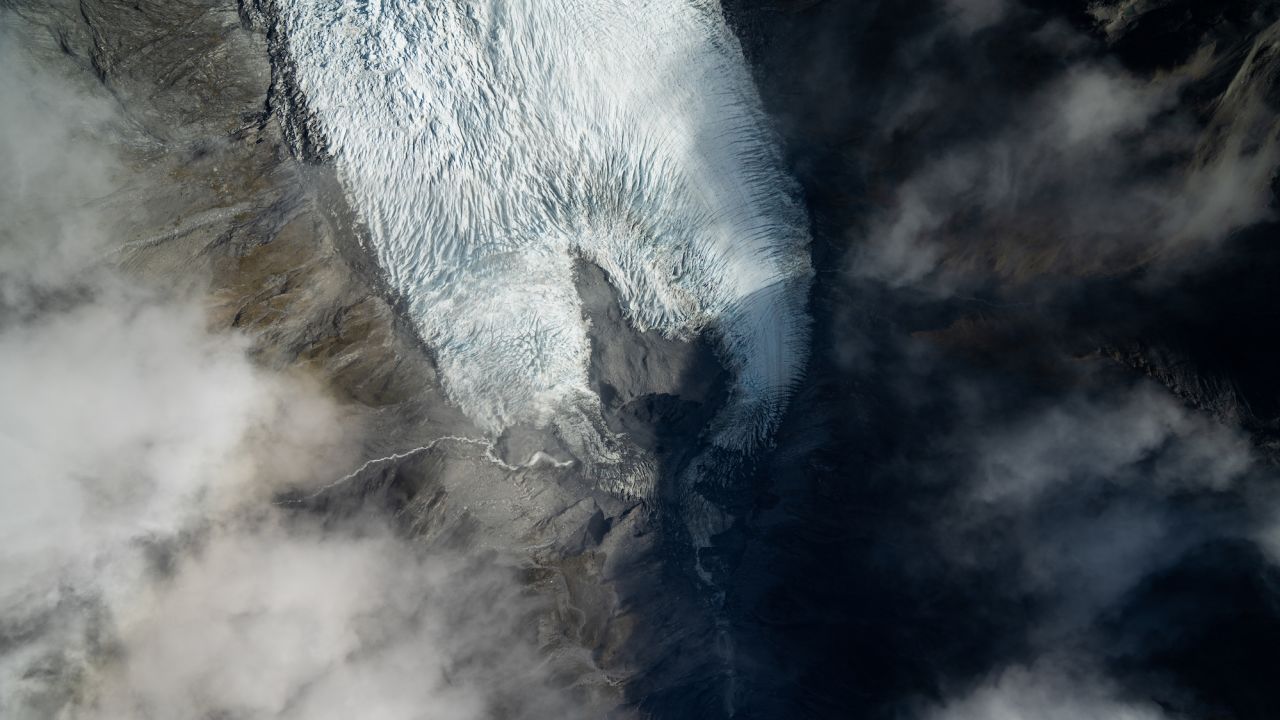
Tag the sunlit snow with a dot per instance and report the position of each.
(489, 144)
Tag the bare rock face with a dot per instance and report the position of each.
(214, 197)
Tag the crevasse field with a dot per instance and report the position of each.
(489, 145)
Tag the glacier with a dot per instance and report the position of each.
(489, 145)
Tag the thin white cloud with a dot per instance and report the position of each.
(1143, 436)
(1047, 691)
(1065, 183)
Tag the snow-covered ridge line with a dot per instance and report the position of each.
(487, 144)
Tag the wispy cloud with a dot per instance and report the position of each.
(1094, 168)
(1143, 436)
(144, 571)
(1046, 691)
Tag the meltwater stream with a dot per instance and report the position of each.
(489, 144)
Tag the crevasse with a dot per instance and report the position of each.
(487, 144)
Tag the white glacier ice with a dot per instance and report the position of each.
(488, 144)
